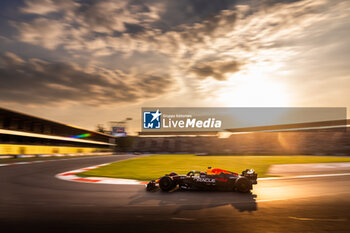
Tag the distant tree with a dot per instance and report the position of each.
(100, 128)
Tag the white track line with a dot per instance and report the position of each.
(52, 160)
(304, 176)
(72, 176)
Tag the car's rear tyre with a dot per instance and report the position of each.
(166, 183)
(243, 185)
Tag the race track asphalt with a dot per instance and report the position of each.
(33, 200)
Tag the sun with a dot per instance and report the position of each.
(253, 89)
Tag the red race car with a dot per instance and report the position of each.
(212, 179)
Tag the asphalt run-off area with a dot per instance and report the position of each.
(33, 199)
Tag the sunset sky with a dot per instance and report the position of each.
(90, 62)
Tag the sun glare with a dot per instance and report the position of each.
(252, 89)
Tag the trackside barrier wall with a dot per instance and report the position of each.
(9, 149)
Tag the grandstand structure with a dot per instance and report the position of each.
(312, 138)
(259, 143)
(22, 134)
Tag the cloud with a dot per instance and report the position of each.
(216, 70)
(105, 16)
(187, 12)
(43, 32)
(40, 82)
(44, 7)
(200, 39)
(112, 16)
(76, 24)
(127, 26)
(239, 32)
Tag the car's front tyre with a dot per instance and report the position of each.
(166, 183)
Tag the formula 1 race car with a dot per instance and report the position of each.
(213, 179)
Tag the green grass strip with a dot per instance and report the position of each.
(155, 166)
